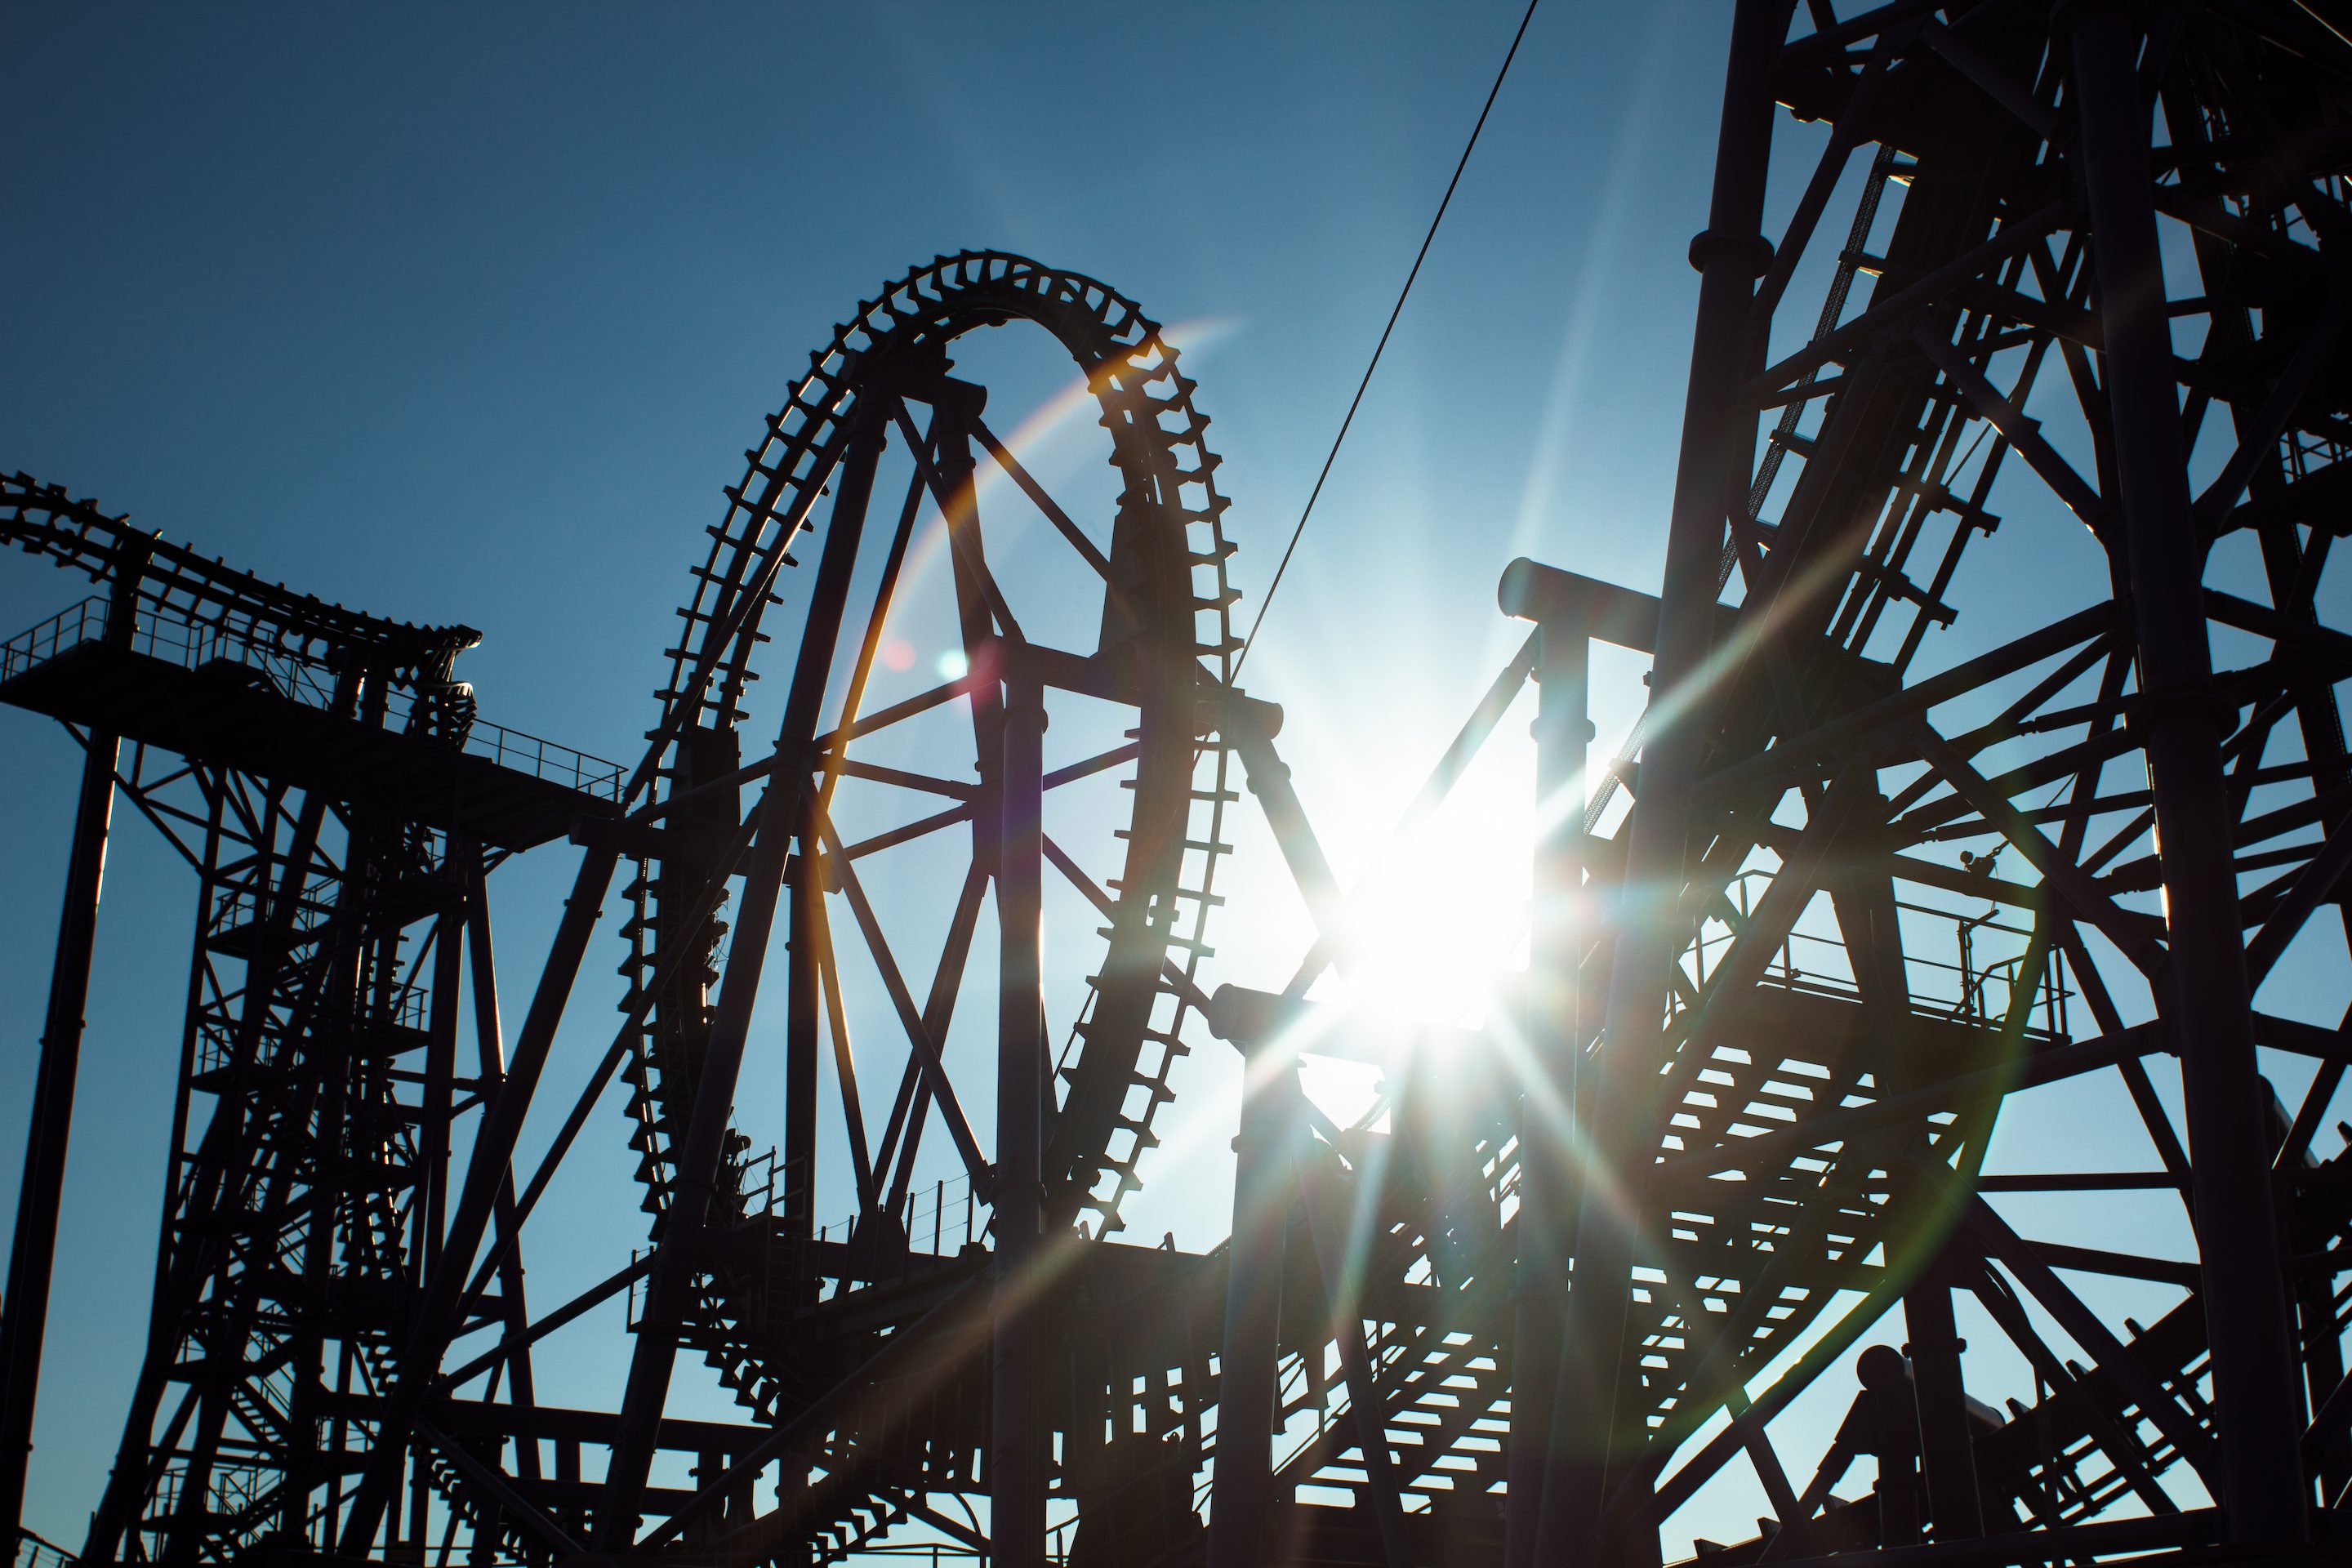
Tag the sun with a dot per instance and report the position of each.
(1438, 924)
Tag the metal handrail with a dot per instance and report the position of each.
(1967, 1003)
(39, 644)
(544, 759)
(195, 644)
(30, 1550)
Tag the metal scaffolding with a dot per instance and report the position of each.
(1992, 761)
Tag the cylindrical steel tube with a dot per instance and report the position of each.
(1017, 1448)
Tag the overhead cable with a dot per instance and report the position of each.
(1403, 294)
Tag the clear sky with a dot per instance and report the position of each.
(464, 315)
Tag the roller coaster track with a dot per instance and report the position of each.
(1147, 404)
(2016, 438)
(1169, 540)
(175, 580)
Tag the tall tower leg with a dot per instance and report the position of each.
(1730, 253)
(2204, 991)
(1556, 1041)
(1016, 1461)
(25, 1317)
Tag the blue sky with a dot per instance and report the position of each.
(466, 316)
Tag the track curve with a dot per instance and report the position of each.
(1169, 539)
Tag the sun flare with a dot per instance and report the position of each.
(1440, 926)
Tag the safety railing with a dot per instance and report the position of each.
(1975, 987)
(194, 645)
(239, 907)
(544, 759)
(410, 1008)
(36, 645)
(941, 1220)
(32, 1551)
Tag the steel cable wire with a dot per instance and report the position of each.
(1403, 294)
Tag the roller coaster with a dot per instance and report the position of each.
(1928, 1051)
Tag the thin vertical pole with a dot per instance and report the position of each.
(802, 997)
(1947, 1457)
(25, 1318)
(1241, 1500)
(2203, 992)
(1711, 473)
(1556, 1043)
(1016, 1460)
(441, 1062)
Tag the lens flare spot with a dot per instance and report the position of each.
(953, 666)
(897, 654)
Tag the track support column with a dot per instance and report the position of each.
(1016, 1459)
(1548, 1123)
(24, 1318)
(24, 1321)
(1241, 1500)
(2203, 992)
(1717, 439)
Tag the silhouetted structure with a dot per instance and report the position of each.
(1877, 872)
(324, 774)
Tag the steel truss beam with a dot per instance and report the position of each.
(1975, 281)
(745, 1273)
(1760, 1133)
(322, 773)
(1746, 1109)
